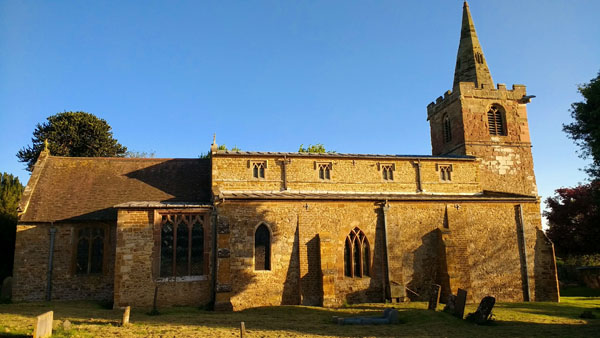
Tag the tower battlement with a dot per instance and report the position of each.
(518, 93)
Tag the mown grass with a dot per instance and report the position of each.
(511, 319)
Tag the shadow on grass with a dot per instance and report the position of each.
(317, 321)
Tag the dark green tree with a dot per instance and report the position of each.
(72, 134)
(585, 130)
(10, 193)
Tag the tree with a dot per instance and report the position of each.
(72, 134)
(585, 131)
(574, 219)
(316, 148)
(10, 194)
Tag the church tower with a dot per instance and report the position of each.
(476, 119)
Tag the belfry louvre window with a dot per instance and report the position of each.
(496, 121)
(447, 129)
(324, 171)
(90, 250)
(182, 245)
(357, 253)
(258, 169)
(262, 248)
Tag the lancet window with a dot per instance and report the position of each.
(262, 248)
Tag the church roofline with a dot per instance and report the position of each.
(485, 196)
(342, 155)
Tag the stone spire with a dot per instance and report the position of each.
(470, 62)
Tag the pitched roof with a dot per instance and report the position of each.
(88, 188)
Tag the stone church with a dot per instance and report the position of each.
(244, 229)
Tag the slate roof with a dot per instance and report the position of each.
(88, 188)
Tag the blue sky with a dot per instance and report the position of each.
(271, 75)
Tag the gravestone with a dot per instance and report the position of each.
(126, 313)
(484, 310)
(6, 288)
(450, 304)
(390, 316)
(396, 292)
(461, 300)
(67, 325)
(434, 297)
(43, 325)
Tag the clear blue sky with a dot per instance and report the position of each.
(270, 75)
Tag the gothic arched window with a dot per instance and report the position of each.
(262, 248)
(496, 120)
(447, 129)
(182, 245)
(356, 254)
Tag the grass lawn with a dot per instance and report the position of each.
(511, 319)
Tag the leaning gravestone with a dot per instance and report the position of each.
(484, 310)
(43, 325)
(434, 297)
(6, 288)
(461, 301)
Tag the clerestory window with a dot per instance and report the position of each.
(387, 172)
(258, 169)
(324, 171)
(90, 250)
(496, 120)
(182, 245)
(445, 172)
(356, 254)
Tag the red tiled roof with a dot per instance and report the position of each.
(88, 188)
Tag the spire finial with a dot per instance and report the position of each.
(46, 149)
(214, 147)
(471, 65)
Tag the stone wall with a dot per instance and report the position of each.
(136, 265)
(234, 173)
(469, 245)
(31, 264)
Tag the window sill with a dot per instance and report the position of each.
(181, 279)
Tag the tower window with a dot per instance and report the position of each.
(496, 120)
(356, 254)
(447, 129)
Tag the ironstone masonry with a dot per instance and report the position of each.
(245, 229)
